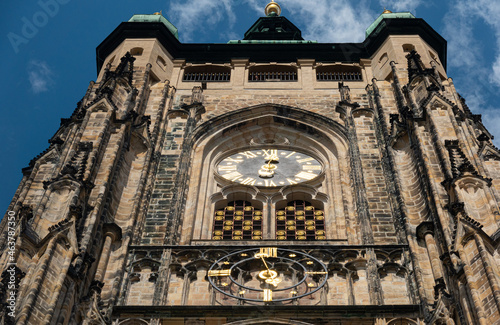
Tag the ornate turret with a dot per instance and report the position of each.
(157, 17)
(387, 14)
(273, 26)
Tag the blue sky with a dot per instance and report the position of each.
(47, 49)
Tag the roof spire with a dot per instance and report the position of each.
(272, 9)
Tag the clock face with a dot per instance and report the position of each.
(268, 274)
(269, 167)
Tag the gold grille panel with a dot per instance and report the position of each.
(239, 220)
(300, 220)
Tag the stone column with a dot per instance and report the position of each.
(357, 176)
(490, 273)
(307, 74)
(434, 255)
(473, 288)
(400, 99)
(425, 231)
(111, 233)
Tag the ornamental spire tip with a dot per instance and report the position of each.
(272, 8)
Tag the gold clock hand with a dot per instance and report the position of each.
(265, 264)
(268, 275)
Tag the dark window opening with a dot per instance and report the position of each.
(207, 74)
(272, 73)
(338, 73)
(300, 220)
(239, 220)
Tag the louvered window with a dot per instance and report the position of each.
(338, 73)
(239, 220)
(300, 220)
(207, 74)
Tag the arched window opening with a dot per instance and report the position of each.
(300, 220)
(207, 73)
(161, 62)
(434, 57)
(338, 73)
(239, 220)
(136, 51)
(383, 59)
(272, 73)
(408, 48)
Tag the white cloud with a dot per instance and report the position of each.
(331, 21)
(490, 114)
(495, 77)
(199, 15)
(40, 76)
(477, 78)
(464, 48)
(322, 20)
(257, 5)
(335, 21)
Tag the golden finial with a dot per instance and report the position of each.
(386, 11)
(157, 13)
(272, 7)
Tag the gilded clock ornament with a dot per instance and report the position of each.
(268, 274)
(269, 167)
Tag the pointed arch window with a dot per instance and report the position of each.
(300, 220)
(239, 220)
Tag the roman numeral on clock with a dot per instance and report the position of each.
(229, 159)
(227, 168)
(306, 175)
(270, 153)
(219, 272)
(311, 167)
(232, 176)
(269, 183)
(248, 181)
(268, 295)
(249, 154)
(267, 252)
(305, 160)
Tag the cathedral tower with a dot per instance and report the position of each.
(269, 180)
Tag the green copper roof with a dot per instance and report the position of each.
(270, 42)
(377, 21)
(156, 19)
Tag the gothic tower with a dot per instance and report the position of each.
(269, 180)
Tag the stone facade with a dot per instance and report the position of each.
(114, 222)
